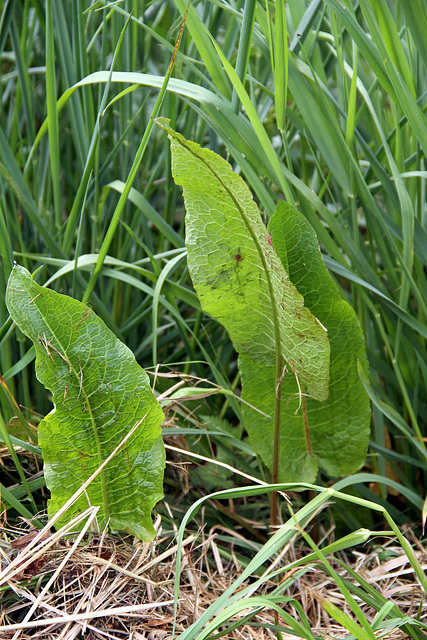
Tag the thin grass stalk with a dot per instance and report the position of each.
(5, 20)
(6, 438)
(280, 65)
(52, 116)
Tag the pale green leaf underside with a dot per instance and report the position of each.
(236, 272)
(100, 393)
(335, 433)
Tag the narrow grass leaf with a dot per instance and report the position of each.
(348, 623)
(21, 364)
(280, 65)
(383, 66)
(410, 320)
(5, 20)
(151, 214)
(424, 515)
(394, 416)
(69, 75)
(52, 115)
(384, 30)
(75, 212)
(257, 603)
(206, 49)
(85, 263)
(7, 440)
(156, 295)
(132, 173)
(351, 113)
(234, 128)
(305, 26)
(8, 497)
(17, 442)
(382, 614)
(345, 12)
(258, 126)
(6, 251)
(277, 541)
(244, 49)
(351, 602)
(415, 13)
(25, 83)
(323, 128)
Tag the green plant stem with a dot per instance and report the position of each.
(244, 48)
(276, 446)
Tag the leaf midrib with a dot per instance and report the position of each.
(80, 383)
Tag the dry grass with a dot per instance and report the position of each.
(59, 586)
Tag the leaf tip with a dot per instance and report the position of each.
(164, 123)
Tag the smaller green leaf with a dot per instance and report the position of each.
(100, 393)
(347, 622)
(333, 434)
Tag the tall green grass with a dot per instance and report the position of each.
(322, 103)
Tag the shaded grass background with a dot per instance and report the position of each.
(320, 102)
(317, 103)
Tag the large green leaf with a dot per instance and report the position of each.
(241, 281)
(238, 275)
(100, 393)
(335, 433)
(271, 291)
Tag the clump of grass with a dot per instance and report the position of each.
(212, 583)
